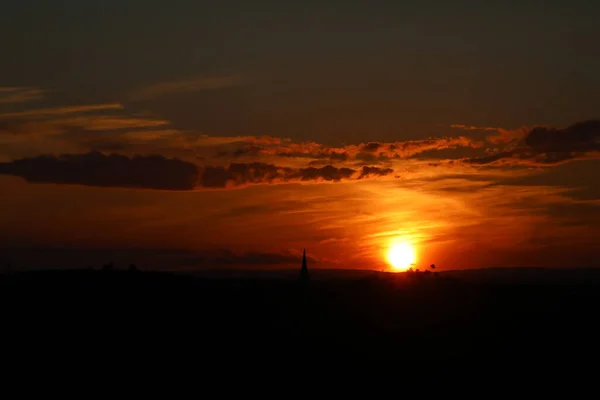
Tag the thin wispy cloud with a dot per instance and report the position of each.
(80, 129)
(107, 123)
(61, 110)
(19, 94)
(473, 127)
(184, 86)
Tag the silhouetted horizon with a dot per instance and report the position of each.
(416, 317)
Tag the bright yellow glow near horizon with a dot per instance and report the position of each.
(401, 256)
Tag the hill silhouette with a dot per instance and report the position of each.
(375, 317)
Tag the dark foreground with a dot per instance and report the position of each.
(153, 316)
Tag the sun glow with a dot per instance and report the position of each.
(401, 256)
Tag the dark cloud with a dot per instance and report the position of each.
(549, 146)
(239, 174)
(157, 172)
(367, 172)
(579, 137)
(327, 173)
(214, 177)
(253, 150)
(371, 147)
(97, 169)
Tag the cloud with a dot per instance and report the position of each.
(237, 174)
(371, 147)
(206, 140)
(502, 135)
(414, 147)
(508, 135)
(579, 137)
(97, 169)
(62, 110)
(80, 123)
(190, 85)
(57, 120)
(367, 172)
(473, 127)
(500, 155)
(240, 174)
(108, 127)
(326, 173)
(157, 172)
(107, 123)
(370, 151)
(549, 146)
(19, 94)
(82, 129)
(528, 157)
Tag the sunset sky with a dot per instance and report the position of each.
(198, 134)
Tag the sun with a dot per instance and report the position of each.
(401, 256)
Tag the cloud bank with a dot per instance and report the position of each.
(543, 146)
(97, 169)
(157, 172)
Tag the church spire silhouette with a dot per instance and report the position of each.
(304, 271)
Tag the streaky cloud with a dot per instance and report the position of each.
(182, 86)
(9, 95)
(62, 110)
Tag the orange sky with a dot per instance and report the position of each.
(234, 134)
(265, 198)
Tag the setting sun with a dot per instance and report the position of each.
(401, 256)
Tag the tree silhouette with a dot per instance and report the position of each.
(432, 268)
(108, 267)
(132, 268)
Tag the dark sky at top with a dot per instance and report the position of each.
(388, 70)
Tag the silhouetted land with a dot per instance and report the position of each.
(460, 315)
